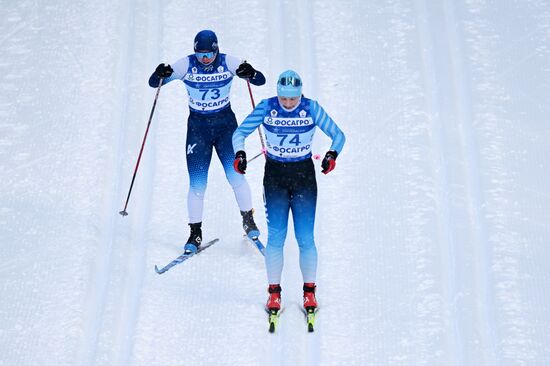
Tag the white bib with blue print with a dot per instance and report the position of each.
(288, 134)
(208, 92)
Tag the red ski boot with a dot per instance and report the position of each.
(310, 302)
(274, 299)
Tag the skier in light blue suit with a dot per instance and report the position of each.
(207, 75)
(289, 122)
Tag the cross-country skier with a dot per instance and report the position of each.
(289, 120)
(207, 75)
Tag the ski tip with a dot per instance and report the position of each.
(256, 241)
(158, 270)
(254, 235)
(273, 318)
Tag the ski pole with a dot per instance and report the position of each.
(254, 157)
(123, 212)
(259, 131)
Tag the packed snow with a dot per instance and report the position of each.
(432, 231)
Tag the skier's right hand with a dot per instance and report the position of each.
(239, 164)
(163, 71)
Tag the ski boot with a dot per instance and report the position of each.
(309, 296)
(274, 299)
(273, 306)
(310, 305)
(249, 225)
(194, 240)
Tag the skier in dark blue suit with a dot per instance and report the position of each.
(289, 122)
(207, 75)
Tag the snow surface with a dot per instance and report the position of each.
(432, 231)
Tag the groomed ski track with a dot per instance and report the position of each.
(120, 266)
(432, 231)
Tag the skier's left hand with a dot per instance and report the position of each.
(329, 162)
(239, 164)
(245, 71)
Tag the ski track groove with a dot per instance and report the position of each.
(440, 142)
(449, 74)
(103, 264)
(136, 266)
(119, 350)
(474, 188)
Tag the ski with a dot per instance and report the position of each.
(184, 257)
(310, 314)
(273, 318)
(257, 243)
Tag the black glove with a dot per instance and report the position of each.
(163, 71)
(239, 164)
(245, 71)
(329, 162)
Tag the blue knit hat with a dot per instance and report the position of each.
(206, 40)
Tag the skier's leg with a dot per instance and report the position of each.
(303, 204)
(224, 150)
(276, 200)
(241, 189)
(199, 155)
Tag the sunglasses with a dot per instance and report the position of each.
(290, 80)
(201, 55)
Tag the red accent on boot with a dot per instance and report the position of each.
(274, 299)
(309, 296)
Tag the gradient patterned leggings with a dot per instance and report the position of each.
(290, 186)
(205, 133)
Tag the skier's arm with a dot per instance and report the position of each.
(179, 70)
(328, 126)
(248, 126)
(244, 70)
